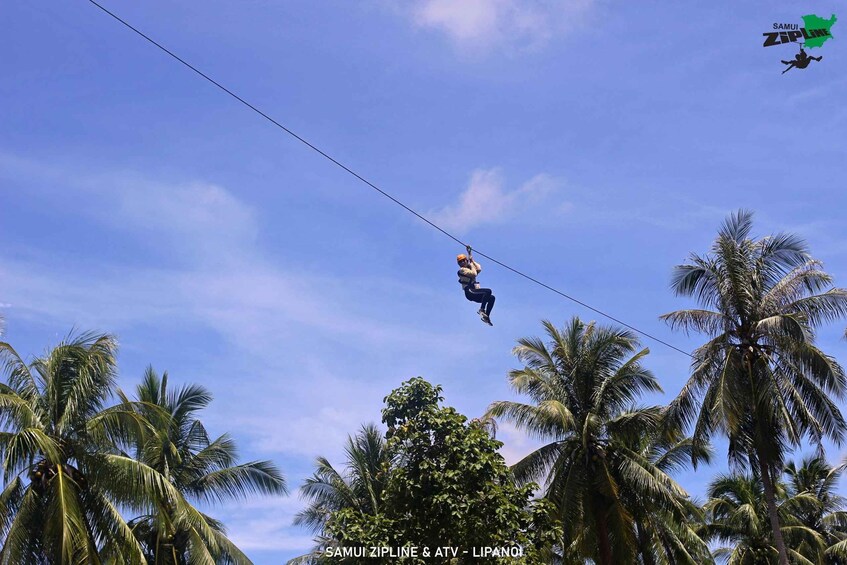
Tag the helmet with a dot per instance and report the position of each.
(461, 257)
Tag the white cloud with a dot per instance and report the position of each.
(264, 525)
(205, 217)
(101, 298)
(328, 416)
(484, 23)
(485, 201)
(198, 218)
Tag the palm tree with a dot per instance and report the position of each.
(662, 536)
(737, 513)
(358, 487)
(817, 506)
(759, 379)
(64, 478)
(201, 470)
(583, 386)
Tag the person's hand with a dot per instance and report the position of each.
(469, 250)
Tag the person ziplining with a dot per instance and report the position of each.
(801, 60)
(468, 271)
(474, 294)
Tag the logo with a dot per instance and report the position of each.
(814, 32)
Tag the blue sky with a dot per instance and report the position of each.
(593, 144)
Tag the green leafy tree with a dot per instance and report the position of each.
(598, 467)
(359, 487)
(760, 380)
(64, 479)
(200, 469)
(447, 486)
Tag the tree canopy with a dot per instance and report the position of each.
(447, 486)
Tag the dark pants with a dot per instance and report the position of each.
(481, 296)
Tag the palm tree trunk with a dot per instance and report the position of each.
(770, 498)
(767, 483)
(605, 557)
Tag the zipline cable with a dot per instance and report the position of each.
(372, 185)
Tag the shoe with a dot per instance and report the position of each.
(481, 313)
(486, 319)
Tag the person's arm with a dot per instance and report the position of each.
(475, 267)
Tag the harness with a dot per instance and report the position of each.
(468, 283)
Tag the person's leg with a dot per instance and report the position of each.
(487, 299)
(479, 295)
(474, 296)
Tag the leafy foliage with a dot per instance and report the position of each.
(73, 467)
(60, 493)
(178, 447)
(359, 488)
(816, 506)
(605, 466)
(760, 380)
(811, 516)
(447, 486)
(663, 536)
